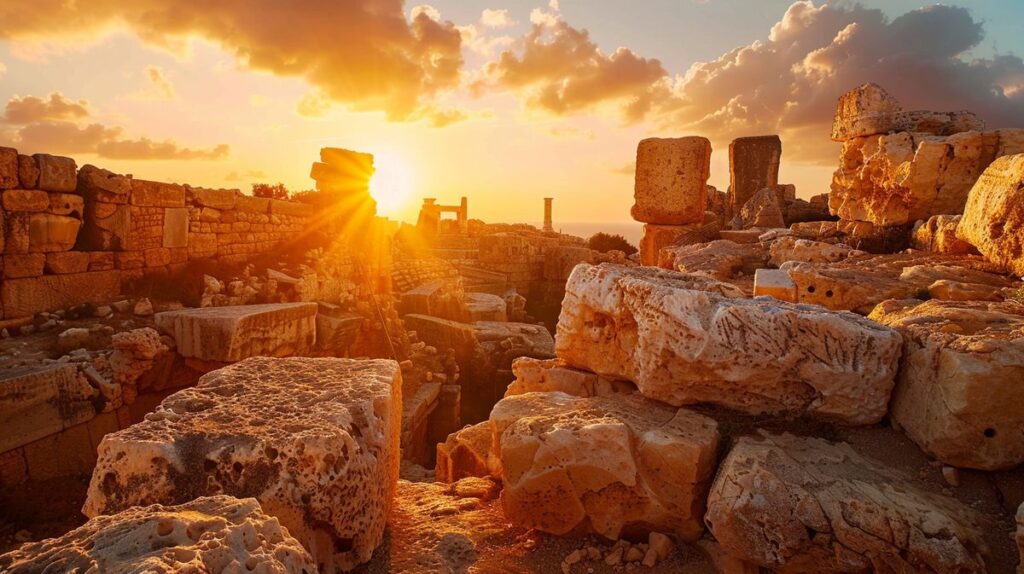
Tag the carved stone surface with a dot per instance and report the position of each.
(234, 333)
(316, 441)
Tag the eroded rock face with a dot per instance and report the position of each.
(762, 210)
(753, 166)
(316, 441)
(231, 334)
(722, 259)
(797, 504)
(683, 340)
(793, 248)
(547, 375)
(671, 179)
(209, 534)
(959, 394)
(603, 464)
(869, 110)
(938, 234)
(467, 452)
(993, 219)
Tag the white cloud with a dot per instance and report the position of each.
(496, 19)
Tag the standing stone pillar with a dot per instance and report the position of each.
(463, 216)
(753, 166)
(547, 214)
(670, 190)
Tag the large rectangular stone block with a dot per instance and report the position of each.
(157, 194)
(25, 200)
(230, 334)
(671, 180)
(175, 227)
(316, 441)
(753, 166)
(8, 168)
(682, 339)
(38, 402)
(48, 232)
(24, 297)
(656, 237)
(56, 173)
(215, 198)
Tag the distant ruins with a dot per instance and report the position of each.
(220, 382)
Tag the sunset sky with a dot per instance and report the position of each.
(503, 101)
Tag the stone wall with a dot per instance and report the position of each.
(72, 235)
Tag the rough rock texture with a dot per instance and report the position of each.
(938, 234)
(231, 334)
(682, 341)
(869, 110)
(993, 219)
(722, 259)
(486, 307)
(36, 402)
(314, 440)
(56, 173)
(792, 248)
(774, 283)
(671, 180)
(960, 391)
(465, 453)
(761, 210)
(210, 534)
(805, 505)
(603, 464)
(657, 237)
(753, 166)
(547, 375)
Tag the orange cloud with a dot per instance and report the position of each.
(29, 109)
(144, 148)
(160, 85)
(363, 53)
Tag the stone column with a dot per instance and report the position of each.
(464, 216)
(547, 214)
(753, 166)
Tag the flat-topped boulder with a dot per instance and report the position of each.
(796, 504)
(869, 110)
(960, 390)
(993, 219)
(547, 375)
(230, 334)
(682, 340)
(671, 180)
(486, 307)
(608, 465)
(722, 259)
(793, 248)
(316, 441)
(209, 534)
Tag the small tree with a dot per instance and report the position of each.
(267, 190)
(605, 242)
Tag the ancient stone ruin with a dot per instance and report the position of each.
(204, 380)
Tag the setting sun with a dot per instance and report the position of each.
(393, 183)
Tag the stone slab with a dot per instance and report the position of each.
(671, 180)
(23, 297)
(38, 402)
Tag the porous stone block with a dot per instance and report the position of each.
(608, 465)
(938, 234)
(656, 237)
(41, 401)
(671, 180)
(959, 394)
(801, 504)
(869, 110)
(753, 166)
(722, 259)
(8, 168)
(549, 375)
(993, 219)
(25, 200)
(156, 194)
(56, 173)
(222, 199)
(230, 334)
(17, 265)
(792, 248)
(209, 534)
(28, 172)
(48, 232)
(466, 452)
(761, 211)
(316, 441)
(683, 340)
(23, 297)
(97, 184)
(67, 204)
(774, 283)
(485, 307)
(108, 226)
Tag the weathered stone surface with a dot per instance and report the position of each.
(175, 227)
(485, 307)
(48, 232)
(762, 210)
(215, 198)
(56, 173)
(959, 394)
(774, 283)
(947, 290)
(209, 534)
(682, 340)
(291, 208)
(1020, 538)
(656, 237)
(25, 200)
(549, 375)
(316, 441)
(796, 504)
(791, 248)
(722, 259)
(671, 180)
(28, 172)
(993, 219)
(96, 184)
(37, 402)
(938, 234)
(17, 265)
(250, 204)
(62, 262)
(157, 194)
(753, 166)
(869, 110)
(8, 168)
(234, 333)
(24, 297)
(467, 452)
(67, 204)
(603, 464)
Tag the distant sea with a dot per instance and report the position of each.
(631, 230)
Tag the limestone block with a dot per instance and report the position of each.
(96, 184)
(8, 168)
(337, 332)
(41, 401)
(603, 464)
(56, 173)
(869, 110)
(316, 441)
(250, 204)
(156, 194)
(23, 297)
(993, 219)
(753, 166)
(222, 199)
(791, 248)
(290, 208)
(683, 340)
(958, 394)
(157, 257)
(549, 375)
(774, 283)
(801, 504)
(209, 534)
(175, 227)
(671, 180)
(61, 262)
(722, 259)
(466, 452)
(48, 232)
(108, 226)
(67, 204)
(28, 172)
(25, 200)
(656, 237)
(938, 234)
(23, 265)
(485, 307)
(234, 333)
(66, 453)
(762, 210)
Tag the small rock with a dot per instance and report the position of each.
(951, 475)
(121, 306)
(634, 554)
(143, 308)
(103, 311)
